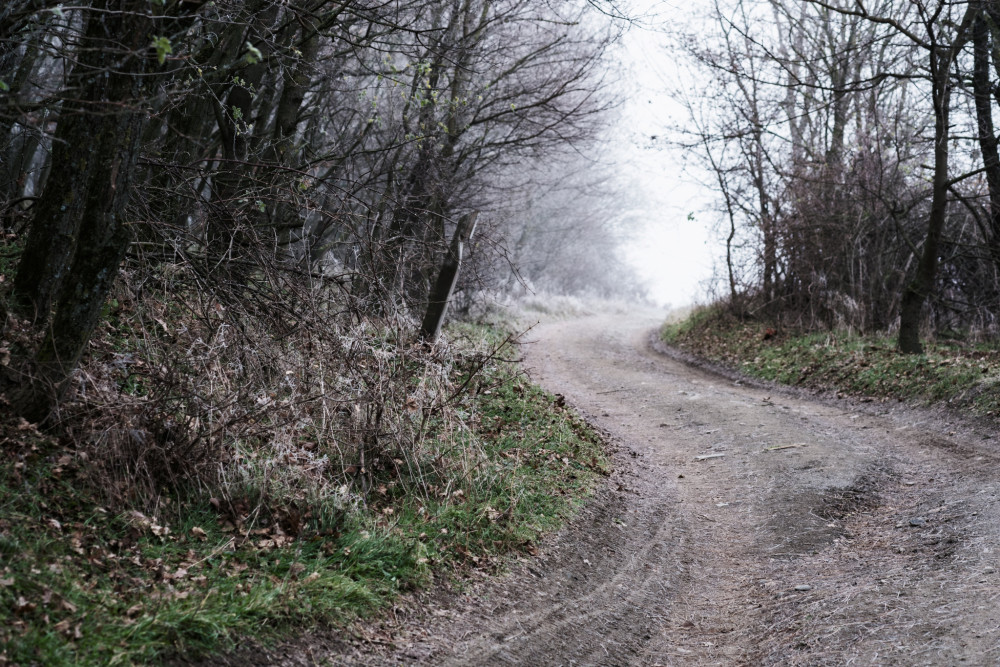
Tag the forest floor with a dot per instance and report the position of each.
(743, 525)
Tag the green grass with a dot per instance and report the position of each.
(80, 585)
(961, 374)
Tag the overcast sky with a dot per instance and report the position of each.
(674, 254)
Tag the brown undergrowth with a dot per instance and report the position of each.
(221, 469)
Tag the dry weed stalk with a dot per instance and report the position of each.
(271, 393)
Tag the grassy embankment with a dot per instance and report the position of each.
(963, 374)
(83, 584)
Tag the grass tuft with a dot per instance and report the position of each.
(964, 375)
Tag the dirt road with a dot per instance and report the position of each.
(744, 526)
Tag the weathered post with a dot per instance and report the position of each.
(437, 304)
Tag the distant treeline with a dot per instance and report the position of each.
(854, 148)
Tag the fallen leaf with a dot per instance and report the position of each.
(237, 568)
(22, 605)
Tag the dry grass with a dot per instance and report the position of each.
(271, 403)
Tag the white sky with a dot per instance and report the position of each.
(672, 253)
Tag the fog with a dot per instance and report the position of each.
(668, 217)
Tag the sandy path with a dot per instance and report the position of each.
(816, 533)
(742, 526)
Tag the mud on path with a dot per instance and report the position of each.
(743, 526)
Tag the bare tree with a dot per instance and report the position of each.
(819, 111)
(263, 143)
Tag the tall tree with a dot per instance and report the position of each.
(79, 234)
(943, 37)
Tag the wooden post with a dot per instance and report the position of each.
(437, 304)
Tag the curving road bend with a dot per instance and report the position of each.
(745, 526)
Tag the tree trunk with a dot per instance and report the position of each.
(767, 225)
(918, 289)
(228, 233)
(283, 151)
(52, 237)
(987, 135)
(79, 237)
(437, 302)
(20, 148)
(188, 128)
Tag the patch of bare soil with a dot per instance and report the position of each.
(743, 526)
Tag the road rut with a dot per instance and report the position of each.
(744, 526)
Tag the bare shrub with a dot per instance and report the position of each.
(271, 396)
